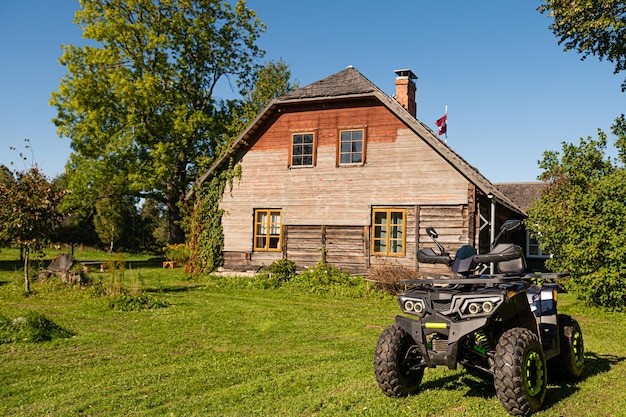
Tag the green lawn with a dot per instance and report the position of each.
(223, 351)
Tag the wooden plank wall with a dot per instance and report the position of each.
(342, 246)
(451, 223)
(348, 247)
(304, 244)
(345, 247)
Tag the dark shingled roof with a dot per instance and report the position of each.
(522, 193)
(346, 82)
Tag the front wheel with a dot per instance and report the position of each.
(520, 372)
(395, 362)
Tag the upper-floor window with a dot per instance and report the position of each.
(389, 232)
(268, 230)
(351, 147)
(303, 149)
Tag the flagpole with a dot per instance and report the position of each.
(446, 107)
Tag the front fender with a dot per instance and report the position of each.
(453, 331)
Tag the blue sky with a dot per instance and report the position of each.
(511, 92)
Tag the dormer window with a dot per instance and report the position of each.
(303, 149)
(352, 147)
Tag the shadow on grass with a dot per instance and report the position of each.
(129, 264)
(558, 390)
(148, 263)
(478, 387)
(172, 289)
(17, 265)
(595, 364)
(11, 266)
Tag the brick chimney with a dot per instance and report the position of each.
(405, 90)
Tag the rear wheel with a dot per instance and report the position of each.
(570, 362)
(520, 372)
(394, 361)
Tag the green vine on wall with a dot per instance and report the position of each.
(206, 243)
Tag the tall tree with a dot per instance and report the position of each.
(206, 244)
(138, 102)
(269, 82)
(28, 211)
(591, 27)
(77, 225)
(112, 217)
(581, 217)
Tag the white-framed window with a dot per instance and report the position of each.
(533, 249)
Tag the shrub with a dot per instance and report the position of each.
(387, 277)
(123, 294)
(606, 288)
(178, 253)
(135, 302)
(322, 278)
(284, 269)
(31, 327)
(325, 278)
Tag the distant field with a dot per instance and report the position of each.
(221, 350)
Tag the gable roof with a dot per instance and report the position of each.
(522, 193)
(350, 83)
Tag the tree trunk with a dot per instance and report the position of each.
(177, 234)
(112, 240)
(26, 280)
(175, 198)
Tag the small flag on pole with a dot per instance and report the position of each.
(442, 125)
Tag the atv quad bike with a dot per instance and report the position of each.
(498, 325)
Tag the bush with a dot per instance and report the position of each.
(135, 302)
(31, 327)
(283, 269)
(604, 288)
(123, 294)
(387, 277)
(276, 274)
(178, 253)
(325, 278)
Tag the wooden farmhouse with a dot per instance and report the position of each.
(340, 170)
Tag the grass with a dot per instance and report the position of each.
(225, 350)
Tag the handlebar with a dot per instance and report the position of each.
(429, 256)
(502, 252)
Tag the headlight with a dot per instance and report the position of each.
(474, 308)
(412, 305)
(479, 306)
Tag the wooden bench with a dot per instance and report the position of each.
(87, 264)
(169, 264)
